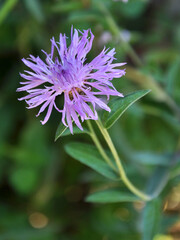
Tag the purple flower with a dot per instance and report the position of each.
(70, 75)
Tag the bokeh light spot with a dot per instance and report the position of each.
(38, 220)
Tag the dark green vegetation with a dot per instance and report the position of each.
(43, 191)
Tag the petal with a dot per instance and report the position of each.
(48, 113)
(75, 118)
(69, 121)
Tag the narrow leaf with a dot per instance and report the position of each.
(119, 105)
(6, 8)
(172, 76)
(150, 158)
(112, 196)
(88, 16)
(76, 130)
(60, 130)
(67, 7)
(64, 131)
(34, 7)
(90, 156)
(158, 181)
(151, 219)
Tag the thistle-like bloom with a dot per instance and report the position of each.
(70, 75)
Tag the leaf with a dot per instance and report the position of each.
(119, 105)
(76, 130)
(6, 8)
(151, 219)
(64, 131)
(161, 176)
(67, 7)
(86, 16)
(158, 181)
(150, 158)
(146, 81)
(172, 76)
(111, 196)
(175, 169)
(35, 9)
(89, 155)
(60, 130)
(172, 121)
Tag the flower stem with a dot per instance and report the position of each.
(122, 173)
(116, 32)
(99, 146)
(115, 29)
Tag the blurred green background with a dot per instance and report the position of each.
(42, 189)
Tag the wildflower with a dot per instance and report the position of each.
(70, 75)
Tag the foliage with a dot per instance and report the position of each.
(36, 173)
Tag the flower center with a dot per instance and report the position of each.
(78, 90)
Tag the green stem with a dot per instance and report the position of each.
(114, 28)
(116, 32)
(99, 146)
(122, 173)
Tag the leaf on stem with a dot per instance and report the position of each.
(158, 181)
(151, 158)
(111, 196)
(89, 155)
(60, 130)
(119, 105)
(64, 131)
(161, 176)
(151, 219)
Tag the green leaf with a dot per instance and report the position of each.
(34, 7)
(158, 181)
(172, 76)
(60, 130)
(171, 120)
(150, 158)
(67, 7)
(6, 8)
(112, 196)
(76, 130)
(175, 169)
(64, 131)
(151, 219)
(89, 155)
(85, 16)
(119, 105)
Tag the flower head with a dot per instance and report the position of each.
(70, 75)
